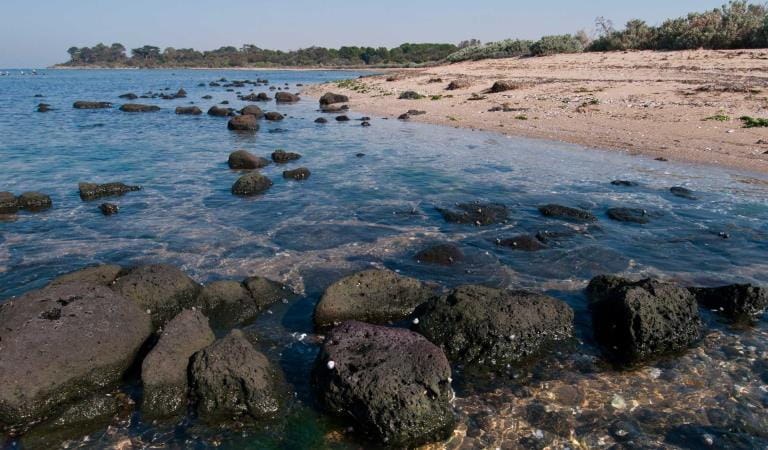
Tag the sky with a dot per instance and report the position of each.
(37, 33)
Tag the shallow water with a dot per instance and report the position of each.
(376, 210)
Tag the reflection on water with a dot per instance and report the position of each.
(379, 210)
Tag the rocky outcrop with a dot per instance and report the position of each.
(566, 213)
(737, 302)
(243, 123)
(286, 97)
(189, 110)
(251, 184)
(243, 160)
(93, 191)
(440, 254)
(491, 328)
(394, 384)
(282, 157)
(302, 173)
(164, 370)
(91, 105)
(330, 98)
(480, 214)
(374, 296)
(135, 107)
(636, 321)
(83, 337)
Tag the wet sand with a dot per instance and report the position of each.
(649, 103)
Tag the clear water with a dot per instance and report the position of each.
(352, 213)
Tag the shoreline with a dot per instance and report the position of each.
(276, 69)
(656, 104)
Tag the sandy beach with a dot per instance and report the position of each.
(660, 104)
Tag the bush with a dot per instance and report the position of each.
(509, 48)
(551, 45)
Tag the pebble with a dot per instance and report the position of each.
(618, 402)
(331, 365)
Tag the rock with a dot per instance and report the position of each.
(243, 123)
(479, 214)
(243, 160)
(135, 107)
(403, 116)
(494, 327)
(302, 173)
(218, 111)
(342, 118)
(207, 97)
(43, 107)
(92, 191)
(233, 381)
(34, 201)
(266, 292)
(129, 96)
(331, 98)
(682, 192)
(161, 290)
(286, 97)
(365, 123)
(84, 338)
(634, 215)
(359, 155)
(333, 109)
(636, 321)
(522, 242)
(321, 120)
(251, 184)
(8, 203)
(263, 97)
(225, 102)
(441, 254)
(415, 112)
(737, 302)
(252, 110)
(281, 156)
(228, 304)
(410, 95)
(502, 86)
(181, 93)
(392, 382)
(566, 213)
(374, 296)
(164, 370)
(189, 110)
(101, 275)
(458, 84)
(91, 105)
(274, 116)
(109, 209)
(624, 183)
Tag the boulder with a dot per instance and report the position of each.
(263, 97)
(228, 304)
(302, 173)
(84, 338)
(266, 292)
(440, 254)
(682, 192)
(243, 123)
(273, 116)
(566, 213)
(737, 302)
(234, 381)
(286, 97)
(109, 209)
(161, 290)
(189, 110)
(636, 321)
(252, 110)
(524, 242)
(243, 160)
(374, 296)
(34, 201)
(480, 214)
(394, 384)
(331, 98)
(135, 107)
(492, 327)
(333, 108)
(282, 157)
(9, 204)
(633, 215)
(101, 275)
(92, 191)
(502, 86)
(164, 370)
(251, 184)
(458, 84)
(218, 111)
(91, 105)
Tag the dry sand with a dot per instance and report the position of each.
(650, 103)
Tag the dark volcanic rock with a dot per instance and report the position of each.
(286, 97)
(251, 184)
(331, 98)
(101, 275)
(682, 192)
(233, 381)
(266, 292)
(502, 86)
(410, 95)
(365, 124)
(441, 254)
(522, 242)
(243, 160)
(281, 156)
(109, 209)
(243, 123)
(634, 215)
(8, 203)
(161, 290)
(403, 116)
(164, 370)
(189, 110)
(458, 84)
(635, 321)
(135, 107)
(62, 343)
(374, 296)
(218, 111)
(34, 201)
(92, 191)
(479, 214)
(91, 105)
(321, 120)
(564, 212)
(252, 110)
(129, 96)
(738, 302)
(392, 382)
(228, 304)
(302, 173)
(274, 116)
(624, 183)
(342, 118)
(493, 327)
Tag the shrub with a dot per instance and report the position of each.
(551, 45)
(752, 122)
(509, 48)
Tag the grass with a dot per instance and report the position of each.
(436, 97)
(752, 122)
(521, 117)
(353, 85)
(719, 118)
(452, 119)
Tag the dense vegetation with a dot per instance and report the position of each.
(250, 55)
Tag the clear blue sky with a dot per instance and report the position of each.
(37, 33)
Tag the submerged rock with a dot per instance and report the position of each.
(440, 254)
(286, 97)
(479, 214)
(738, 302)
(564, 212)
(636, 321)
(233, 381)
(129, 96)
(243, 160)
(273, 116)
(522, 242)
(282, 157)
(135, 107)
(321, 120)
(252, 110)
(334, 109)
(251, 184)
(374, 296)
(92, 191)
(218, 111)
(160, 290)
(243, 123)
(34, 201)
(634, 215)
(682, 192)
(84, 338)
(164, 370)
(8, 203)
(91, 105)
(624, 183)
(189, 110)
(330, 98)
(302, 173)
(494, 327)
(392, 382)
(342, 118)
(109, 209)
